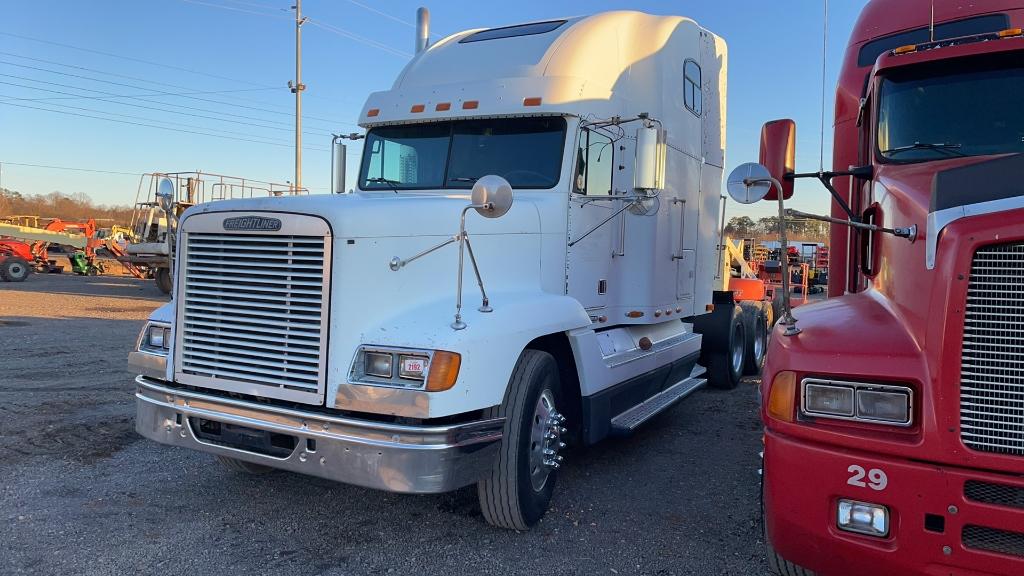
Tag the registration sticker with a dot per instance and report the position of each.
(413, 366)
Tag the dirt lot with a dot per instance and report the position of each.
(81, 493)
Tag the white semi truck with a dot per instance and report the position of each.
(429, 331)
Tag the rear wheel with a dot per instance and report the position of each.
(163, 280)
(756, 325)
(725, 337)
(14, 269)
(517, 492)
(243, 466)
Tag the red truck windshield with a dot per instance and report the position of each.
(968, 110)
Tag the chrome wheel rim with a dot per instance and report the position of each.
(760, 335)
(545, 440)
(737, 350)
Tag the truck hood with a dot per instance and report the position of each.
(388, 215)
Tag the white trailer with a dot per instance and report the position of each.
(370, 338)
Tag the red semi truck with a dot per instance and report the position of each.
(894, 418)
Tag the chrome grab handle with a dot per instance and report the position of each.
(622, 233)
(682, 227)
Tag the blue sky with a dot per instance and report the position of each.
(197, 57)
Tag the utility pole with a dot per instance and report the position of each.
(297, 89)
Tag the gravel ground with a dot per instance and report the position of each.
(81, 493)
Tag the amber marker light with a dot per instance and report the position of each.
(373, 112)
(534, 101)
(444, 370)
(443, 106)
(782, 398)
(1009, 32)
(470, 105)
(905, 49)
(417, 108)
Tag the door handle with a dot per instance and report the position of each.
(682, 227)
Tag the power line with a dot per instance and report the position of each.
(133, 95)
(147, 81)
(408, 23)
(358, 38)
(164, 93)
(329, 27)
(221, 6)
(143, 118)
(133, 59)
(114, 101)
(6, 163)
(156, 126)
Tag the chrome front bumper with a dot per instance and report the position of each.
(393, 457)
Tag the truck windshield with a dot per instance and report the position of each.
(525, 151)
(935, 113)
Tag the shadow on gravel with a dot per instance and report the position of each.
(65, 391)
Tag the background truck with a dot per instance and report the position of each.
(330, 335)
(894, 418)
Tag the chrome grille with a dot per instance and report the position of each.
(253, 313)
(992, 361)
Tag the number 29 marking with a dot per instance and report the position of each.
(877, 480)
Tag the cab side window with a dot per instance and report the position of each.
(692, 96)
(594, 163)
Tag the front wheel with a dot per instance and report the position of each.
(163, 280)
(517, 492)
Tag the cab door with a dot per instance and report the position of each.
(589, 252)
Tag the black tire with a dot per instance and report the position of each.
(509, 495)
(242, 466)
(780, 566)
(756, 326)
(163, 280)
(725, 357)
(776, 305)
(14, 269)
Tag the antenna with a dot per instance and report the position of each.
(824, 64)
(931, 24)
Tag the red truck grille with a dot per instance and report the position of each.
(992, 361)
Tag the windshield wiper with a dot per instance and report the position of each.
(464, 179)
(940, 146)
(392, 183)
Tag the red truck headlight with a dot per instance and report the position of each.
(859, 401)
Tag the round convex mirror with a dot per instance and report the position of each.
(749, 183)
(165, 192)
(493, 196)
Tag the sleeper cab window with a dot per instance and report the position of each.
(691, 87)
(594, 164)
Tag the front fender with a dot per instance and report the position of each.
(856, 337)
(490, 345)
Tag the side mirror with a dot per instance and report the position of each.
(778, 154)
(749, 183)
(165, 193)
(649, 169)
(492, 196)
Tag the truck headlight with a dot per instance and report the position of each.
(430, 370)
(857, 401)
(377, 364)
(155, 338)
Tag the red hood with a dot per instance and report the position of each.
(912, 183)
